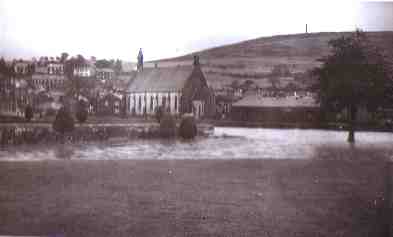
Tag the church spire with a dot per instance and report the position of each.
(139, 66)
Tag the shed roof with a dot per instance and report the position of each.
(275, 102)
(105, 70)
(160, 79)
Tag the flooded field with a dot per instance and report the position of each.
(225, 143)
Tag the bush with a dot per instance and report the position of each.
(28, 113)
(50, 112)
(159, 113)
(168, 126)
(64, 122)
(81, 111)
(188, 128)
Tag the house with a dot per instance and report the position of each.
(224, 105)
(15, 94)
(48, 81)
(86, 69)
(286, 109)
(22, 67)
(109, 104)
(105, 74)
(181, 89)
(55, 68)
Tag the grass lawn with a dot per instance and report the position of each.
(193, 198)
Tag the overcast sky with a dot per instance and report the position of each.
(117, 29)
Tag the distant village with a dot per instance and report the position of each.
(111, 88)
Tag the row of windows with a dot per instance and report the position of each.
(165, 100)
(55, 70)
(49, 83)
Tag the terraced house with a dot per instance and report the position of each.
(181, 89)
(49, 75)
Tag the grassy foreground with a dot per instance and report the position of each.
(193, 198)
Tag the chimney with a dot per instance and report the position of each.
(196, 60)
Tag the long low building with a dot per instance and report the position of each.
(288, 109)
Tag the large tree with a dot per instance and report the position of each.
(64, 57)
(64, 122)
(354, 75)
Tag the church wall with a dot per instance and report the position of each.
(149, 102)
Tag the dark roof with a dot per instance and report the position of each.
(284, 102)
(225, 98)
(160, 79)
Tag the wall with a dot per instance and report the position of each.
(135, 109)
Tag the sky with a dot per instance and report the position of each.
(118, 28)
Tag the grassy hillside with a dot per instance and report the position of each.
(254, 59)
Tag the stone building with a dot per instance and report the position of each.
(177, 90)
(85, 70)
(105, 74)
(275, 110)
(15, 94)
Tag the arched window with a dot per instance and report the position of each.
(175, 102)
(164, 101)
(140, 103)
(169, 102)
(151, 103)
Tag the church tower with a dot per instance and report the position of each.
(139, 66)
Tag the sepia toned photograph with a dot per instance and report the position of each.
(196, 118)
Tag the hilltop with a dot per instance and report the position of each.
(254, 59)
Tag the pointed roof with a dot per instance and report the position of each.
(160, 79)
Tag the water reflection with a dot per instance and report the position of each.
(232, 143)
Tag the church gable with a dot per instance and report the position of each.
(195, 86)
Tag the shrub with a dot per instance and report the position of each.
(188, 128)
(81, 111)
(159, 113)
(168, 126)
(63, 122)
(50, 112)
(28, 113)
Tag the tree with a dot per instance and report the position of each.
(188, 128)
(354, 75)
(28, 113)
(235, 84)
(103, 63)
(247, 85)
(81, 111)
(3, 66)
(63, 122)
(280, 70)
(159, 113)
(118, 67)
(167, 126)
(63, 57)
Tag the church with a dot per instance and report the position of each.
(177, 90)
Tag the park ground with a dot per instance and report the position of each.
(315, 197)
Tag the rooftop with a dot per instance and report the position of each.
(160, 79)
(258, 101)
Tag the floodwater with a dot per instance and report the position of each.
(224, 143)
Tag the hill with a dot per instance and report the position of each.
(255, 59)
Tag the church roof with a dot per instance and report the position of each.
(160, 79)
